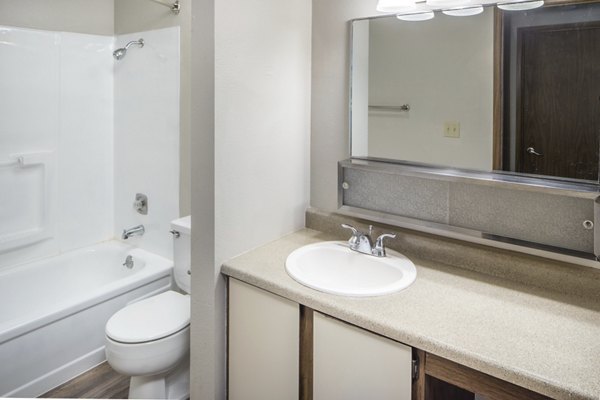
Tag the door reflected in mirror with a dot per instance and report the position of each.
(506, 91)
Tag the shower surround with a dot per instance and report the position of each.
(80, 135)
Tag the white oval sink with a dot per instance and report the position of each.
(332, 267)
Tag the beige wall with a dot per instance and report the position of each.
(251, 78)
(82, 16)
(142, 15)
(330, 77)
(208, 298)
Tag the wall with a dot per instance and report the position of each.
(208, 300)
(67, 142)
(261, 153)
(447, 80)
(83, 16)
(146, 136)
(329, 101)
(142, 15)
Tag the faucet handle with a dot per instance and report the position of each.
(379, 248)
(353, 229)
(354, 241)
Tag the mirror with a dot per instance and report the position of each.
(506, 91)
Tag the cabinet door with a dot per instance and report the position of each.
(263, 344)
(351, 363)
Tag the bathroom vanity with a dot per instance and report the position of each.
(453, 333)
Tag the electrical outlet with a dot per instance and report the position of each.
(452, 129)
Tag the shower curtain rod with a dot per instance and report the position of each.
(175, 7)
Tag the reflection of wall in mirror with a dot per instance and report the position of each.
(360, 88)
(443, 69)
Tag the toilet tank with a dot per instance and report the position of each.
(182, 252)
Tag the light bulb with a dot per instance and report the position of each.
(520, 5)
(416, 16)
(464, 11)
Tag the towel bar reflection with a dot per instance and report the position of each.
(402, 108)
(19, 162)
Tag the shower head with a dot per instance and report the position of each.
(118, 54)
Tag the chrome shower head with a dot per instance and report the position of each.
(119, 54)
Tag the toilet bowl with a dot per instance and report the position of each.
(150, 340)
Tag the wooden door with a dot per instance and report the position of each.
(558, 100)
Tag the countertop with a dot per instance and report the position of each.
(536, 338)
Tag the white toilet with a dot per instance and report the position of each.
(150, 340)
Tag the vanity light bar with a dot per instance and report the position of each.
(411, 10)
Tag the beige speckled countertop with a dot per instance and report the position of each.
(536, 338)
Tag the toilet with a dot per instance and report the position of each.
(150, 340)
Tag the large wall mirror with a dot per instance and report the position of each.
(516, 92)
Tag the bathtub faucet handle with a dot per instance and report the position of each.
(128, 262)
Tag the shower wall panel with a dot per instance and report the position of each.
(147, 136)
(56, 133)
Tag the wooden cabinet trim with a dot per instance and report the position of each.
(306, 353)
(418, 387)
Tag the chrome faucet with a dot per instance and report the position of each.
(135, 231)
(362, 243)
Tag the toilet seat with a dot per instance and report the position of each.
(150, 319)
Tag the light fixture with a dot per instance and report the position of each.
(423, 10)
(464, 11)
(421, 15)
(520, 5)
(394, 6)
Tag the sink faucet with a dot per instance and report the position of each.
(362, 243)
(135, 231)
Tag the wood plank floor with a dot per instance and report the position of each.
(101, 382)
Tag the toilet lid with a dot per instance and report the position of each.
(150, 319)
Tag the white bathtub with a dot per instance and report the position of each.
(53, 312)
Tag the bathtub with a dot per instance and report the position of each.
(53, 312)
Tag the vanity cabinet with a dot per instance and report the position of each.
(352, 363)
(280, 350)
(276, 352)
(264, 344)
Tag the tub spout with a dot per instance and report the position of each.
(135, 231)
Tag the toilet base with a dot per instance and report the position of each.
(172, 385)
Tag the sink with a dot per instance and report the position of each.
(331, 267)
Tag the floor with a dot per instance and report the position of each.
(101, 382)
